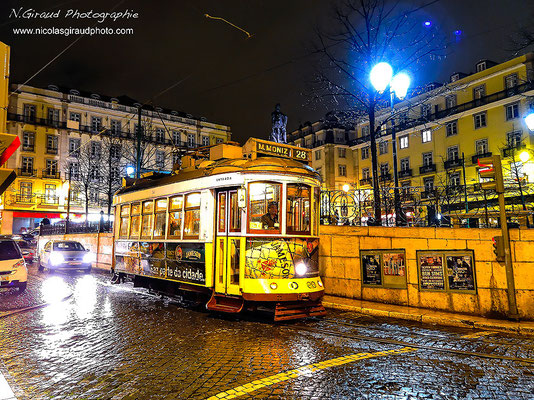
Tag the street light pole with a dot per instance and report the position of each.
(396, 194)
(139, 138)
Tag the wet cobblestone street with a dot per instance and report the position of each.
(95, 340)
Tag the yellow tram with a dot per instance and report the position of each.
(236, 226)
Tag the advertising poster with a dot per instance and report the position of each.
(431, 272)
(460, 272)
(371, 274)
(394, 264)
(186, 262)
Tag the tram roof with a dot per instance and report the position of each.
(204, 168)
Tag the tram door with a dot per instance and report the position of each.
(228, 244)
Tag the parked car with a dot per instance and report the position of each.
(65, 254)
(27, 250)
(13, 271)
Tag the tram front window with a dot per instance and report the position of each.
(264, 206)
(298, 209)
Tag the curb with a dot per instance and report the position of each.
(507, 327)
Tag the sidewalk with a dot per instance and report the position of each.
(428, 316)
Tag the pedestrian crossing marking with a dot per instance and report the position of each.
(304, 370)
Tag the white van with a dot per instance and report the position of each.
(13, 271)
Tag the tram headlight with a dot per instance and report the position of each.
(273, 286)
(301, 269)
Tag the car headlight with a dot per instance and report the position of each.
(56, 258)
(301, 269)
(88, 258)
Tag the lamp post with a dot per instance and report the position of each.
(382, 77)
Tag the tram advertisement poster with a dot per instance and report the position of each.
(460, 272)
(371, 273)
(186, 262)
(431, 272)
(152, 258)
(127, 257)
(268, 259)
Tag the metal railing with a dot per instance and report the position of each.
(76, 228)
(26, 172)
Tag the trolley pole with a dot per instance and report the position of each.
(139, 138)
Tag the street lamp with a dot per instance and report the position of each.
(130, 171)
(529, 120)
(382, 77)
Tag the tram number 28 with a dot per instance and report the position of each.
(311, 284)
(301, 155)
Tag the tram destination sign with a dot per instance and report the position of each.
(263, 147)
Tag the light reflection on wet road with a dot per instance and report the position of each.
(113, 341)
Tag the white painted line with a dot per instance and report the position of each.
(5, 390)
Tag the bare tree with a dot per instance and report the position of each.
(88, 172)
(111, 167)
(362, 34)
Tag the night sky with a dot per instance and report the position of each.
(224, 76)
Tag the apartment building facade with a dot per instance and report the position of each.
(441, 134)
(64, 130)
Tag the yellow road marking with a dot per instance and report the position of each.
(476, 335)
(305, 370)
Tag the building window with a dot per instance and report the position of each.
(481, 146)
(342, 170)
(27, 165)
(405, 164)
(28, 141)
(160, 159)
(317, 155)
(365, 130)
(219, 140)
(383, 147)
(454, 179)
(53, 117)
(26, 191)
(115, 127)
(115, 151)
(74, 147)
(450, 101)
(340, 137)
(479, 92)
(96, 150)
(452, 153)
(429, 184)
(366, 173)
(51, 168)
(29, 113)
(94, 174)
(384, 169)
(51, 144)
(481, 66)
(96, 124)
(342, 152)
(74, 116)
(510, 81)
(426, 135)
(175, 159)
(513, 139)
(403, 141)
(176, 136)
(205, 140)
(50, 193)
(74, 169)
(160, 135)
(480, 120)
(427, 159)
(365, 153)
(452, 128)
(512, 111)
(190, 140)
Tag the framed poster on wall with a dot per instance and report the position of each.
(446, 270)
(383, 268)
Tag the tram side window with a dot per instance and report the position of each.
(136, 220)
(264, 207)
(175, 216)
(298, 208)
(125, 218)
(160, 218)
(235, 213)
(192, 216)
(146, 222)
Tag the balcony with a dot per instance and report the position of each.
(28, 147)
(453, 163)
(475, 158)
(49, 200)
(513, 151)
(405, 173)
(365, 181)
(26, 172)
(425, 169)
(428, 194)
(51, 150)
(51, 175)
(454, 189)
(25, 198)
(30, 119)
(385, 177)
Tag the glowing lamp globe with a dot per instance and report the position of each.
(346, 187)
(529, 120)
(400, 84)
(381, 76)
(130, 170)
(524, 156)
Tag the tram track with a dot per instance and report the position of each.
(346, 335)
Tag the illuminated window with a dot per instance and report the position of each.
(125, 217)
(136, 220)
(146, 223)
(426, 135)
(160, 218)
(175, 216)
(235, 213)
(403, 142)
(221, 223)
(264, 206)
(298, 209)
(192, 216)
